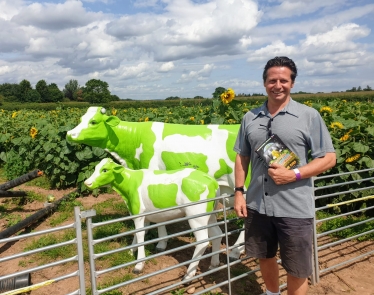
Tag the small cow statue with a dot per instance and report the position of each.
(163, 146)
(147, 190)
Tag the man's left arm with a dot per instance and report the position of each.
(282, 175)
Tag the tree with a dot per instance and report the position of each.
(219, 90)
(33, 96)
(96, 91)
(10, 92)
(114, 97)
(70, 90)
(368, 88)
(359, 88)
(25, 86)
(55, 94)
(42, 88)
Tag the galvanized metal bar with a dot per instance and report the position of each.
(344, 240)
(91, 254)
(344, 227)
(164, 253)
(33, 234)
(343, 173)
(79, 243)
(74, 258)
(347, 261)
(344, 214)
(342, 183)
(343, 192)
(99, 255)
(130, 217)
(42, 249)
(227, 246)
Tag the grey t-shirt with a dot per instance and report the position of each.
(302, 129)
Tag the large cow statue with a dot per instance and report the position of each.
(147, 190)
(163, 146)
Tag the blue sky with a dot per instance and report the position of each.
(153, 49)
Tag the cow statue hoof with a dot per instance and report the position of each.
(138, 268)
(235, 253)
(161, 246)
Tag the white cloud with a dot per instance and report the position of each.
(197, 75)
(167, 66)
(291, 8)
(50, 16)
(152, 49)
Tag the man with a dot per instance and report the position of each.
(279, 206)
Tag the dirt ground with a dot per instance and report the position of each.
(356, 278)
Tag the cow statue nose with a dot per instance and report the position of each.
(88, 183)
(72, 134)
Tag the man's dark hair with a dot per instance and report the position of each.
(281, 61)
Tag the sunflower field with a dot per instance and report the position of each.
(35, 139)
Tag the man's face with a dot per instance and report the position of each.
(278, 84)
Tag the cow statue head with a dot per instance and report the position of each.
(92, 129)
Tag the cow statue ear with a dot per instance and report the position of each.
(112, 121)
(118, 169)
(103, 111)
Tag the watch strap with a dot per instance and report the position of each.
(239, 189)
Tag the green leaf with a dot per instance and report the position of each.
(86, 154)
(370, 130)
(99, 152)
(81, 177)
(360, 148)
(3, 156)
(49, 157)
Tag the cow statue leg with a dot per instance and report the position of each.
(215, 231)
(239, 247)
(200, 248)
(238, 250)
(139, 223)
(161, 245)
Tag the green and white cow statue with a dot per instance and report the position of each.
(163, 146)
(147, 190)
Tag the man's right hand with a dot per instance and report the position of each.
(240, 205)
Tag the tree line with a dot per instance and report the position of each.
(354, 89)
(94, 91)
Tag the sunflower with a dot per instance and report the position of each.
(336, 125)
(227, 96)
(14, 115)
(353, 158)
(346, 136)
(33, 132)
(114, 112)
(325, 110)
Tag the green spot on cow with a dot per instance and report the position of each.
(196, 183)
(185, 160)
(230, 142)
(223, 169)
(144, 145)
(168, 193)
(187, 130)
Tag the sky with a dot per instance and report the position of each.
(154, 49)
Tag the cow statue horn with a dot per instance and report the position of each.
(103, 111)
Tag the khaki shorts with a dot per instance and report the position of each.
(294, 236)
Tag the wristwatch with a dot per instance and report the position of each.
(239, 189)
